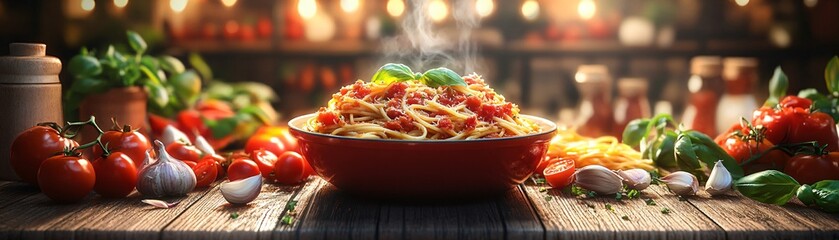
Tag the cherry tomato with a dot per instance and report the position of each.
(792, 122)
(742, 149)
(309, 171)
(206, 172)
(241, 169)
(284, 134)
(191, 164)
(184, 152)
(32, 147)
(560, 173)
(66, 178)
(544, 164)
(817, 126)
(809, 169)
(265, 160)
(116, 175)
(220, 161)
(127, 141)
(265, 141)
(795, 102)
(290, 168)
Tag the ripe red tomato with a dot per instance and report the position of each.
(559, 174)
(793, 122)
(184, 152)
(116, 175)
(128, 141)
(290, 168)
(32, 147)
(743, 149)
(265, 141)
(206, 172)
(774, 121)
(265, 160)
(817, 126)
(241, 169)
(809, 169)
(220, 161)
(66, 178)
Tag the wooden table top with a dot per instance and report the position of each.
(321, 211)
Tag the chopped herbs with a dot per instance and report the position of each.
(632, 193)
(609, 207)
(665, 210)
(539, 181)
(543, 189)
(234, 215)
(649, 202)
(287, 220)
(618, 196)
(549, 198)
(625, 218)
(581, 192)
(291, 205)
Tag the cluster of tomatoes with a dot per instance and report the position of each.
(49, 157)
(789, 137)
(272, 152)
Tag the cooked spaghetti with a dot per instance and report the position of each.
(606, 151)
(412, 110)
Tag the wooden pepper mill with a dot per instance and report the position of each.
(30, 93)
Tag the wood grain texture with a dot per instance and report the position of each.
(567, 217)
(743, 218)
(11, 192)
(332, 214)
(125, 218)
(211, 218)
(31, 217)
(303, 201)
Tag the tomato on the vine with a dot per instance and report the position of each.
(66, 178)
(809, 169)
(206, 172)
(33, 146)
(116, 175)
(560, 173)
(742, 150)
(265, 160)
(184, 152)
(793, 122)
(126, 140)
(290, 168)
(241, 169)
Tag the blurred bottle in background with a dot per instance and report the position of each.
(740, 75)
(705, 86)
(632, 103)
(594, 117)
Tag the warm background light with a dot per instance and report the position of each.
(120, 3)
(438, 10)
(228, 3)
(586, 9)
(530, 10)
(484, 7)
(307, 8)
(741, 2)
(88, 5)
(349, 6)
(811, 3)
(178, 5)
(395, 7)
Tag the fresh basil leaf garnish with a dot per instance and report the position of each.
(393, 72)
(442, 77)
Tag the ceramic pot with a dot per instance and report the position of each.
(30, 93)
(127, 105)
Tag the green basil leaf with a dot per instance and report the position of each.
(201, 66)
(777, 87)
(187, 86)
(442, 77)
(683, 150)
(635, 131)
(223, 127)
(664, 154)
(393, 72)
(171, 64)
(82, 66)
(714, 152)
(831, 75)
(770, 186)
(136, 41)
(158, 94)
(823, 194)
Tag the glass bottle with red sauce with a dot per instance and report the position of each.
(705, 85)
(632, 103)
(740, 75)
(594, 116)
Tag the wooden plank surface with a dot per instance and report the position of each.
(302, 201)
(567, 217)
(11, 192)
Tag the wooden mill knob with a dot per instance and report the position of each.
(28, 49)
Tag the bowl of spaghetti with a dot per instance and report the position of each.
(422, 136)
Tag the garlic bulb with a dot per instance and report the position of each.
(598, 179)
(202, 144)
(242, 191)
(638, 179)
(165, 177)
(720, 180)
(681, 183)
(172, 134)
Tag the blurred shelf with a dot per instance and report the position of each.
(597, 47)
(266, 46)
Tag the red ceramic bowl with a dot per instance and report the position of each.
(434, 169)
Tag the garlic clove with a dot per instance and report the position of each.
(638, 179)
(202, 144)
(719, 181)
(681, 183)
(172, 134)
(165, 177)
(159, 203)
(598, 179)
(242, 191)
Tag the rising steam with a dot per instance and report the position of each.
(422, 46)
